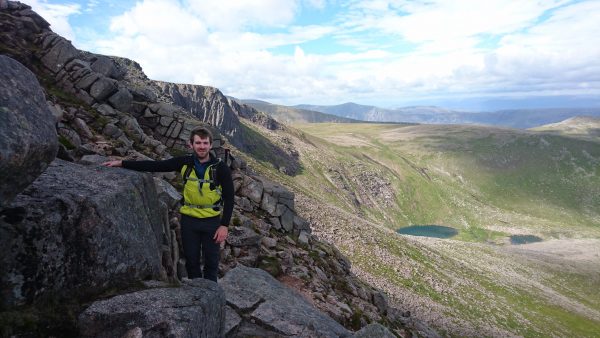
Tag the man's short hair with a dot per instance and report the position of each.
(202, 132)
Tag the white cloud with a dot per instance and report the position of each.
(161, 21)
(392, 48)
(177, 43)
(232, 15)
(92, 5)
(452, 54)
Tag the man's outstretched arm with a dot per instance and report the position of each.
(172, 164)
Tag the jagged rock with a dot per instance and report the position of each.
(380, 301)
(77, 231)
(103, 88)
(60, 53)
(83, 128)
(287, 220)
(374, 330)
(268, 203)
(164, 109)
(92, 159)
(269, 242)
(232, 320)
(242, 236)
(112, 131)
(208, 104)
(70, 135)
(274, 308)
(86, 81)
(133, 129)
(106, 110)
(196, 309)
(121, 100)
(276, 223)
(300, 224)
(303, 238)
(93, 148)
(143, 94)
(28, 140)
(39, 22)
(244, 203)
(279, 210)
(107, 67)
(167, 193)
(64, 154)
(252, 189)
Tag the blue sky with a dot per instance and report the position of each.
(462, 54)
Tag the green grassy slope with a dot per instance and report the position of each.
(360, 182)
(472, 177)
(579, 126)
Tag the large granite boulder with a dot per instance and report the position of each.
(196, 309)
(269, 308)
(77, 231)
(28, 141)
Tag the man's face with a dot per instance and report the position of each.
(201, 146)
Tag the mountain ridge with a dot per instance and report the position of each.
(514, 118)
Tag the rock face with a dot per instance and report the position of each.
(208, 104)
(79, 230)
(28, 141)
(195, 309)
(271, 309)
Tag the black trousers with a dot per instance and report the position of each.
(197, 237)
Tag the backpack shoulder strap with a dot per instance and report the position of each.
(213, 173)
(186, 174)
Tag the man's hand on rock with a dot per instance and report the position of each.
(115, 163)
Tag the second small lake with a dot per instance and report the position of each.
(437, 231)
(524, 239)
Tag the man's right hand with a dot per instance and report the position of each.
(115, 163)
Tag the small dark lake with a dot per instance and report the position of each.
(437, 231)
(524, 239)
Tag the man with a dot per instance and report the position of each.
(208, 201)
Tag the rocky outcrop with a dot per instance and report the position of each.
(196, 309)
(208, 104)
(268, 234)
(267, 308)
(80, 78)
(374, 330)
(77, 231)
(28, 141)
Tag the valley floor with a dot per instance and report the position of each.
(472, 289)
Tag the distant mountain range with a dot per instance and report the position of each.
(352, 112)
(291, 115)
(515, 118)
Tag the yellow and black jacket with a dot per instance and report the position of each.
(201, 195)
(209, 196)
